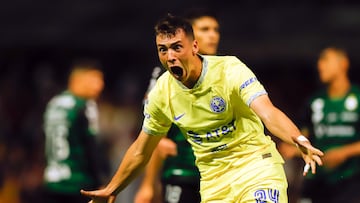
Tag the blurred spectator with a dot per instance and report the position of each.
(44, 86)
(331, 121)
(74, 156)
(26, 86)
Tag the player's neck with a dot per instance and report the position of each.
(339, 88)
(196, 73)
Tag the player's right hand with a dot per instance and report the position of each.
(99, 196)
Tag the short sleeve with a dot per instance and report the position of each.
(243, 81)
(155, 120)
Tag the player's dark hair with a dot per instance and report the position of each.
(83, 64)
(339, 50)
(170, 25)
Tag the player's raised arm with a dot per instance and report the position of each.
(281, 126)
(132, 164)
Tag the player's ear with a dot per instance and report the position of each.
(195, 48)
(345, 63)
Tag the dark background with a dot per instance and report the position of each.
(279, 40)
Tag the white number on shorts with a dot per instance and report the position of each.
(173, 193)
(262, 196)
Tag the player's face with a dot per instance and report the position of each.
(206, 31)
(177, 53)
(329, 66)
(94, 81)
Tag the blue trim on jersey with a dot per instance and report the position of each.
(252, 98)
(203, 71)
(150, 132)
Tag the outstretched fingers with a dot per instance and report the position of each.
(317, 159)
(306, 169)
(311, 162)
(316, 151)
(88, 193)
(97, 196)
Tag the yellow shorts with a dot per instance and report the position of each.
(265, 183)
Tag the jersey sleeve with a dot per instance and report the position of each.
(157, 71)
(243, 81)
(155, 120)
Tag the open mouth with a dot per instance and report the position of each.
(177, 71)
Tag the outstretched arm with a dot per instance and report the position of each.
(132, 164)
(281, 126)
(336, 156)
(150, 188)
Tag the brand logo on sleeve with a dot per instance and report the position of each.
(248, 82)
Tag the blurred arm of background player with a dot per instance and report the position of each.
(325, 109)
(206, 30)
(332, 68)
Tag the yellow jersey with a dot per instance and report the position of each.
(215, 117)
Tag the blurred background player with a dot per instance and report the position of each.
(179, 175)
(332, 123)
(73, 152)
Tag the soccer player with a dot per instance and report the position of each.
(71, 127)
(180, 178)
(220, 106)
(332, 122)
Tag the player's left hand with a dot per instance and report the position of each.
(99, 196)
(310, 154)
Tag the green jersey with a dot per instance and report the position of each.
(184, 163)
(334, 122)
(69, 122)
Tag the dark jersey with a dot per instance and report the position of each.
(182, 165)
(69, 123)
(334, 123)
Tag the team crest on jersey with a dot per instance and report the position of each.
(351, 103)
(217, 105)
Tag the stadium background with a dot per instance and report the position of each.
(280, 40)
